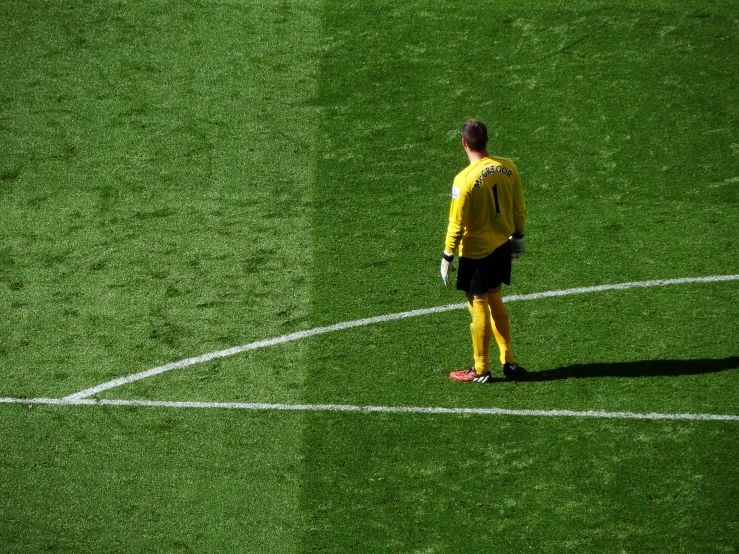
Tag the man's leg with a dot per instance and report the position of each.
(481, 329)
(501, 325)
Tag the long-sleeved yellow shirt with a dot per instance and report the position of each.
(488, 205)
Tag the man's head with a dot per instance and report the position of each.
(475, 135)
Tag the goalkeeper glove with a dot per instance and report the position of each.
(447, 267)
(516, 245)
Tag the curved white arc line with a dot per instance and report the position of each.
(366, 409)
(378, 319)
(254, 345)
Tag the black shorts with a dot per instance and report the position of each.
(479, 276)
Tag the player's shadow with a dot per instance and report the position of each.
(646, 368)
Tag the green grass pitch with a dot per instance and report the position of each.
(180, 178)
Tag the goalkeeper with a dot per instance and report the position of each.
(487, 219)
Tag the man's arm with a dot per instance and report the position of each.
(458, 211)
(519, 206)
(454, 231)
(519, 219)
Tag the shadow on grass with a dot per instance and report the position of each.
(650, 368)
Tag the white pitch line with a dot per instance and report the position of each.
(366, 409)
(187, 362)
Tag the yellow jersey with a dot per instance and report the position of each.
(487, 207)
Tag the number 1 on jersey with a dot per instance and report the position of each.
(497, 204)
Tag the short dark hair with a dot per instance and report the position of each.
(475, 134)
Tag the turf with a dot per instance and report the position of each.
(140, 183)
(159, 481)
(178, 179)
(518, 485)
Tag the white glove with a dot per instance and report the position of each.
(447, 267)
(516, 245)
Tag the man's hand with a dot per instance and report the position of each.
(516, 245)
(447, 267)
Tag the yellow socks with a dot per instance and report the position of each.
(481, 329)
(490, 318)
(501, 327)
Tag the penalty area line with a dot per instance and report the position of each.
(187, 362)
(365, 409)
